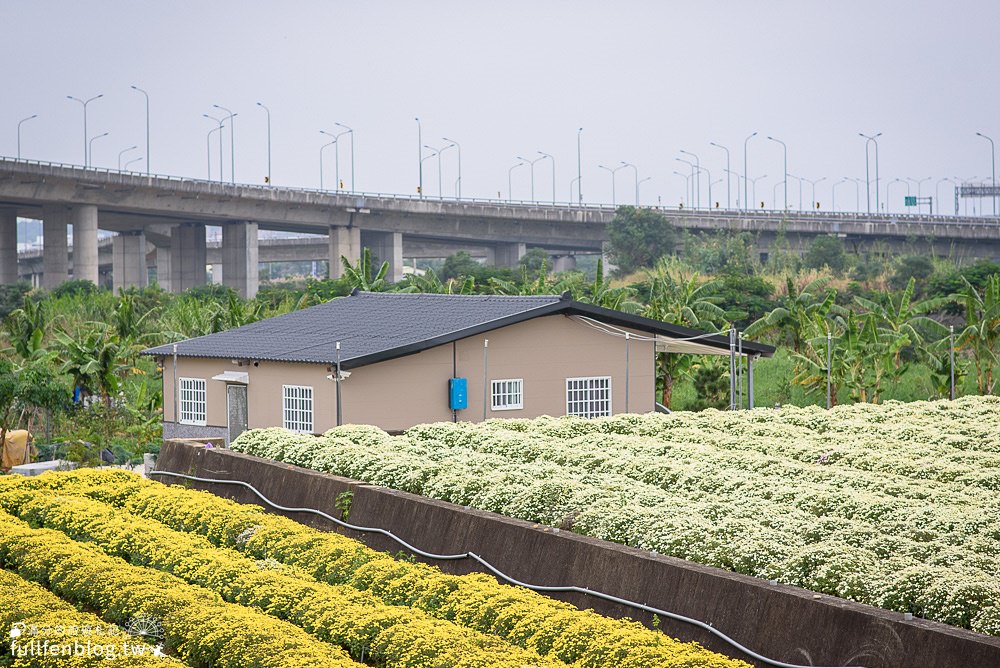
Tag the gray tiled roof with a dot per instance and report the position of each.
(376, 326)
(366, 324)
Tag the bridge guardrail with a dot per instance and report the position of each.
(767, 214)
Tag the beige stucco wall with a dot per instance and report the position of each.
(399, 393)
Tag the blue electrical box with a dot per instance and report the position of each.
(458, 393)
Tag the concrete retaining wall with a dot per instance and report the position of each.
(782, 622)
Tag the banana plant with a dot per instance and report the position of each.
(981, 334)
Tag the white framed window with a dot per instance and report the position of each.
(588, 397)
(507, 394)
(297, 401)
(194, 401)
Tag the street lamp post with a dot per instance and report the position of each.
(510, 189)
(434, 154)
(833, 192)
(754, 187)
(146, 95)
(91, 144)
(268, 112)
(579, 168)
(738, 176)
(438, 152)
(813, 184)
(774, 195)
(420, 158)
(937, 194)
(697, 164)
(746, 174)
(458, 181)
(336, 152)
(635, 171)
(232, 141)
(351, 131)
(208, 150)
(219, 121)
(857, 192)
(531, 164)
(800, 180)
(993, 159)
(23, 120)
(785, 152)
(546, 155)
(131, 161)
(729, 202)
(86, 154)
(648, 178)
(696, 200)
(889, 186)
(123, 152)
(614, 202)
(709, 174)
(868, 184)
(321, 149)
(687, 184)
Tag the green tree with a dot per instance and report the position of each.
(901, 316)
(826, 251)
(800, 308)
(364, 276)
(678, 301)
(25, 389)
(981, 334)
(601, 293)
(25, 327)
(93, 360)
(459, 265)
(637, 238)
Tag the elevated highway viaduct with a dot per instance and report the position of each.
(172, 214)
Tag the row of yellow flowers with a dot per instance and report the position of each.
(342, 615)
(551, 628)
(201, 628)
(40, 630)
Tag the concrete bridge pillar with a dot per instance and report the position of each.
(128, 260)
(8, 246)
(85, 262)
(163, 267)
(55, 249)
(344, 242)
(386, 247)
(509, 254)
(561, 263)
(188, 257)
(240, 267)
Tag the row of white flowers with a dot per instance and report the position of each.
(894, 505)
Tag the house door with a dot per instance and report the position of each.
(237, 401)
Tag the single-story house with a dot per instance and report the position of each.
(398, 359)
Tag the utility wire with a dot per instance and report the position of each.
(501, 575)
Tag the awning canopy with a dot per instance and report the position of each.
(236, 377)
(666, 344)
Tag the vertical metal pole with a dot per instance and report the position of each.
(340, 409)
(739, 374)
(732, 369)
(420, 158)
(750, 382)
(627, 338)
(454, 372)
(177, 391)
(579, 169)
(868, 178)
(486, 382)
(829, 343)
(951, 337)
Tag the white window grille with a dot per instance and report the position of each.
(507, 394)
(194, 402)
(298, 407)
(588, 397)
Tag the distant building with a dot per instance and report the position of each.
(407, 359)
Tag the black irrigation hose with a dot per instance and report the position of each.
(495, 571)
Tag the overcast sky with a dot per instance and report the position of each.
(506, 79)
